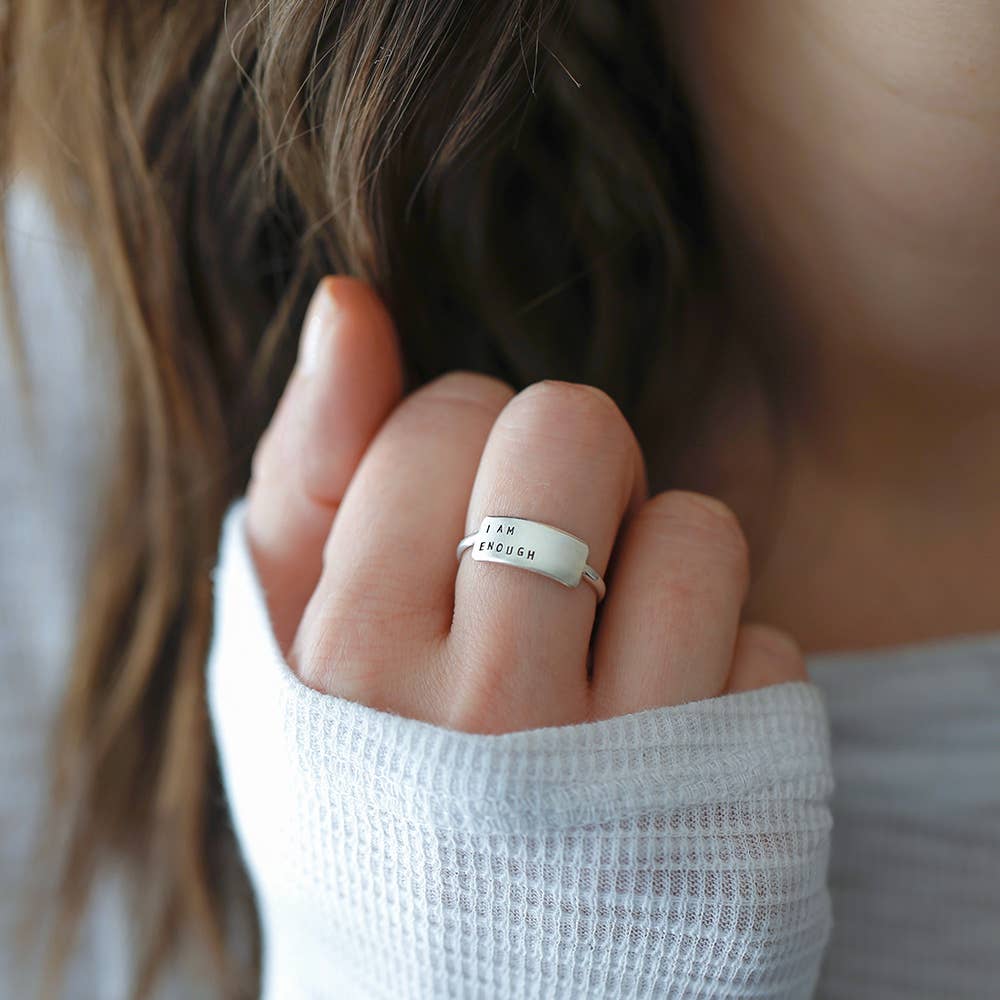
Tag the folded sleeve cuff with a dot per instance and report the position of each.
(731, 791)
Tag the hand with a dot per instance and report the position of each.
(358, 499)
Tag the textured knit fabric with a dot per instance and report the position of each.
(914, 871)
(915, 866)
(675, 852)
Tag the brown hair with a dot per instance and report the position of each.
(519, 182)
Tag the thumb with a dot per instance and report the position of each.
(347, 379)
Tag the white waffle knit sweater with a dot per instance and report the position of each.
(675, 852)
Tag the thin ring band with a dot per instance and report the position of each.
(535, 546)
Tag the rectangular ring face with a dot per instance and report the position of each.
(521, 542)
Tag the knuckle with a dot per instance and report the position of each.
(457, 395)
(701, 507)
(469, 387)
(458, 398)
(570, 410)
(712, 521)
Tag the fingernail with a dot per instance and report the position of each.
(316, 329)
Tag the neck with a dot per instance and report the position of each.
(854, 152)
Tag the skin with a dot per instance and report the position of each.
(353, 536)
(858, 210)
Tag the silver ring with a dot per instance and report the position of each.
(532, 545)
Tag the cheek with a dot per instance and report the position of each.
(846, 145)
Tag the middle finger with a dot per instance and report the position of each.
(560, 453)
